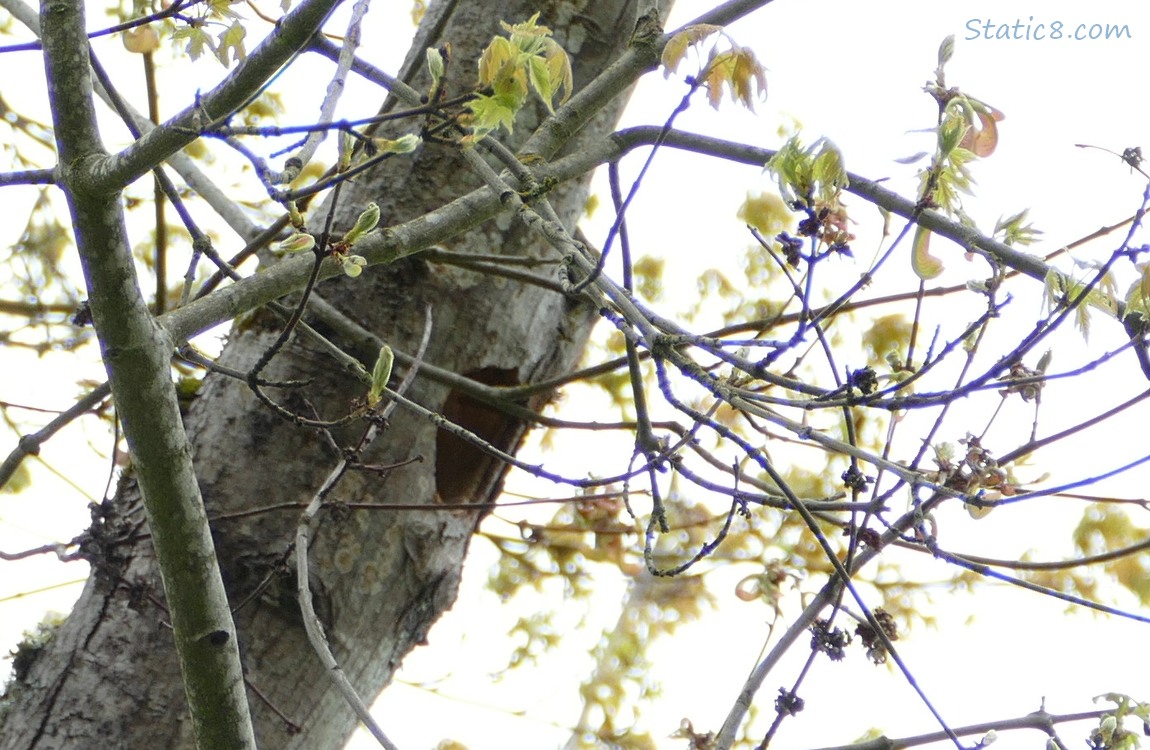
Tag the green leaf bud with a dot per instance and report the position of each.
(380, 374)
(300, 242)
(364, 224)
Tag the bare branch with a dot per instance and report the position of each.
(136, 355)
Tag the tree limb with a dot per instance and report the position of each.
(136, 354)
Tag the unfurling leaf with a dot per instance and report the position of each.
(1044, 362)
(676, 48)
(1012, 231)
(828, 168)
(1138, 296)
(380, 374)
(403, 145)
(300, 242)
(540, 76)
(294, 214)
(945, 51)
(346, 149)
(491, 112)
(925, 265)
(1061, 289)
(952, 132)
(353, 265)
(590, 205)
(435, 65)
(809, 175)
(739, 69)
(365, 223)
(495, 60)
(551, 73)
(527, 60)
(525, 35)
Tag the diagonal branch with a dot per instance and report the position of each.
(136, 353)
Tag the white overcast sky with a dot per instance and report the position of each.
(852, 71)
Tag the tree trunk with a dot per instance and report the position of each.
(110, 678)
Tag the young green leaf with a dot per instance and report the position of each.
(540, 77)
(219, 9)
(300, 242)
(828, 169)
(1013, 231)
(809, 175)
(945, 51)
(491, 112)
(353, 265)
(197, 40)
(498, 56)
(403, 145)
(676, 48)
(1138, 296)
(231, 44)
(366, 222)
(739, 69)
(380, 374)
(559, 66)
(952, 131)
(346, 149)
(294, 214)
(1061, 289)
(548, 75)
(435, 65)
(528, 59)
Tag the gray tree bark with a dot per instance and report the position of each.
(110, 679)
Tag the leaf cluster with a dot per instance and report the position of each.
(967, 130)
(735, 69)
(809, 176)
(527, 60)
(228, 44)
